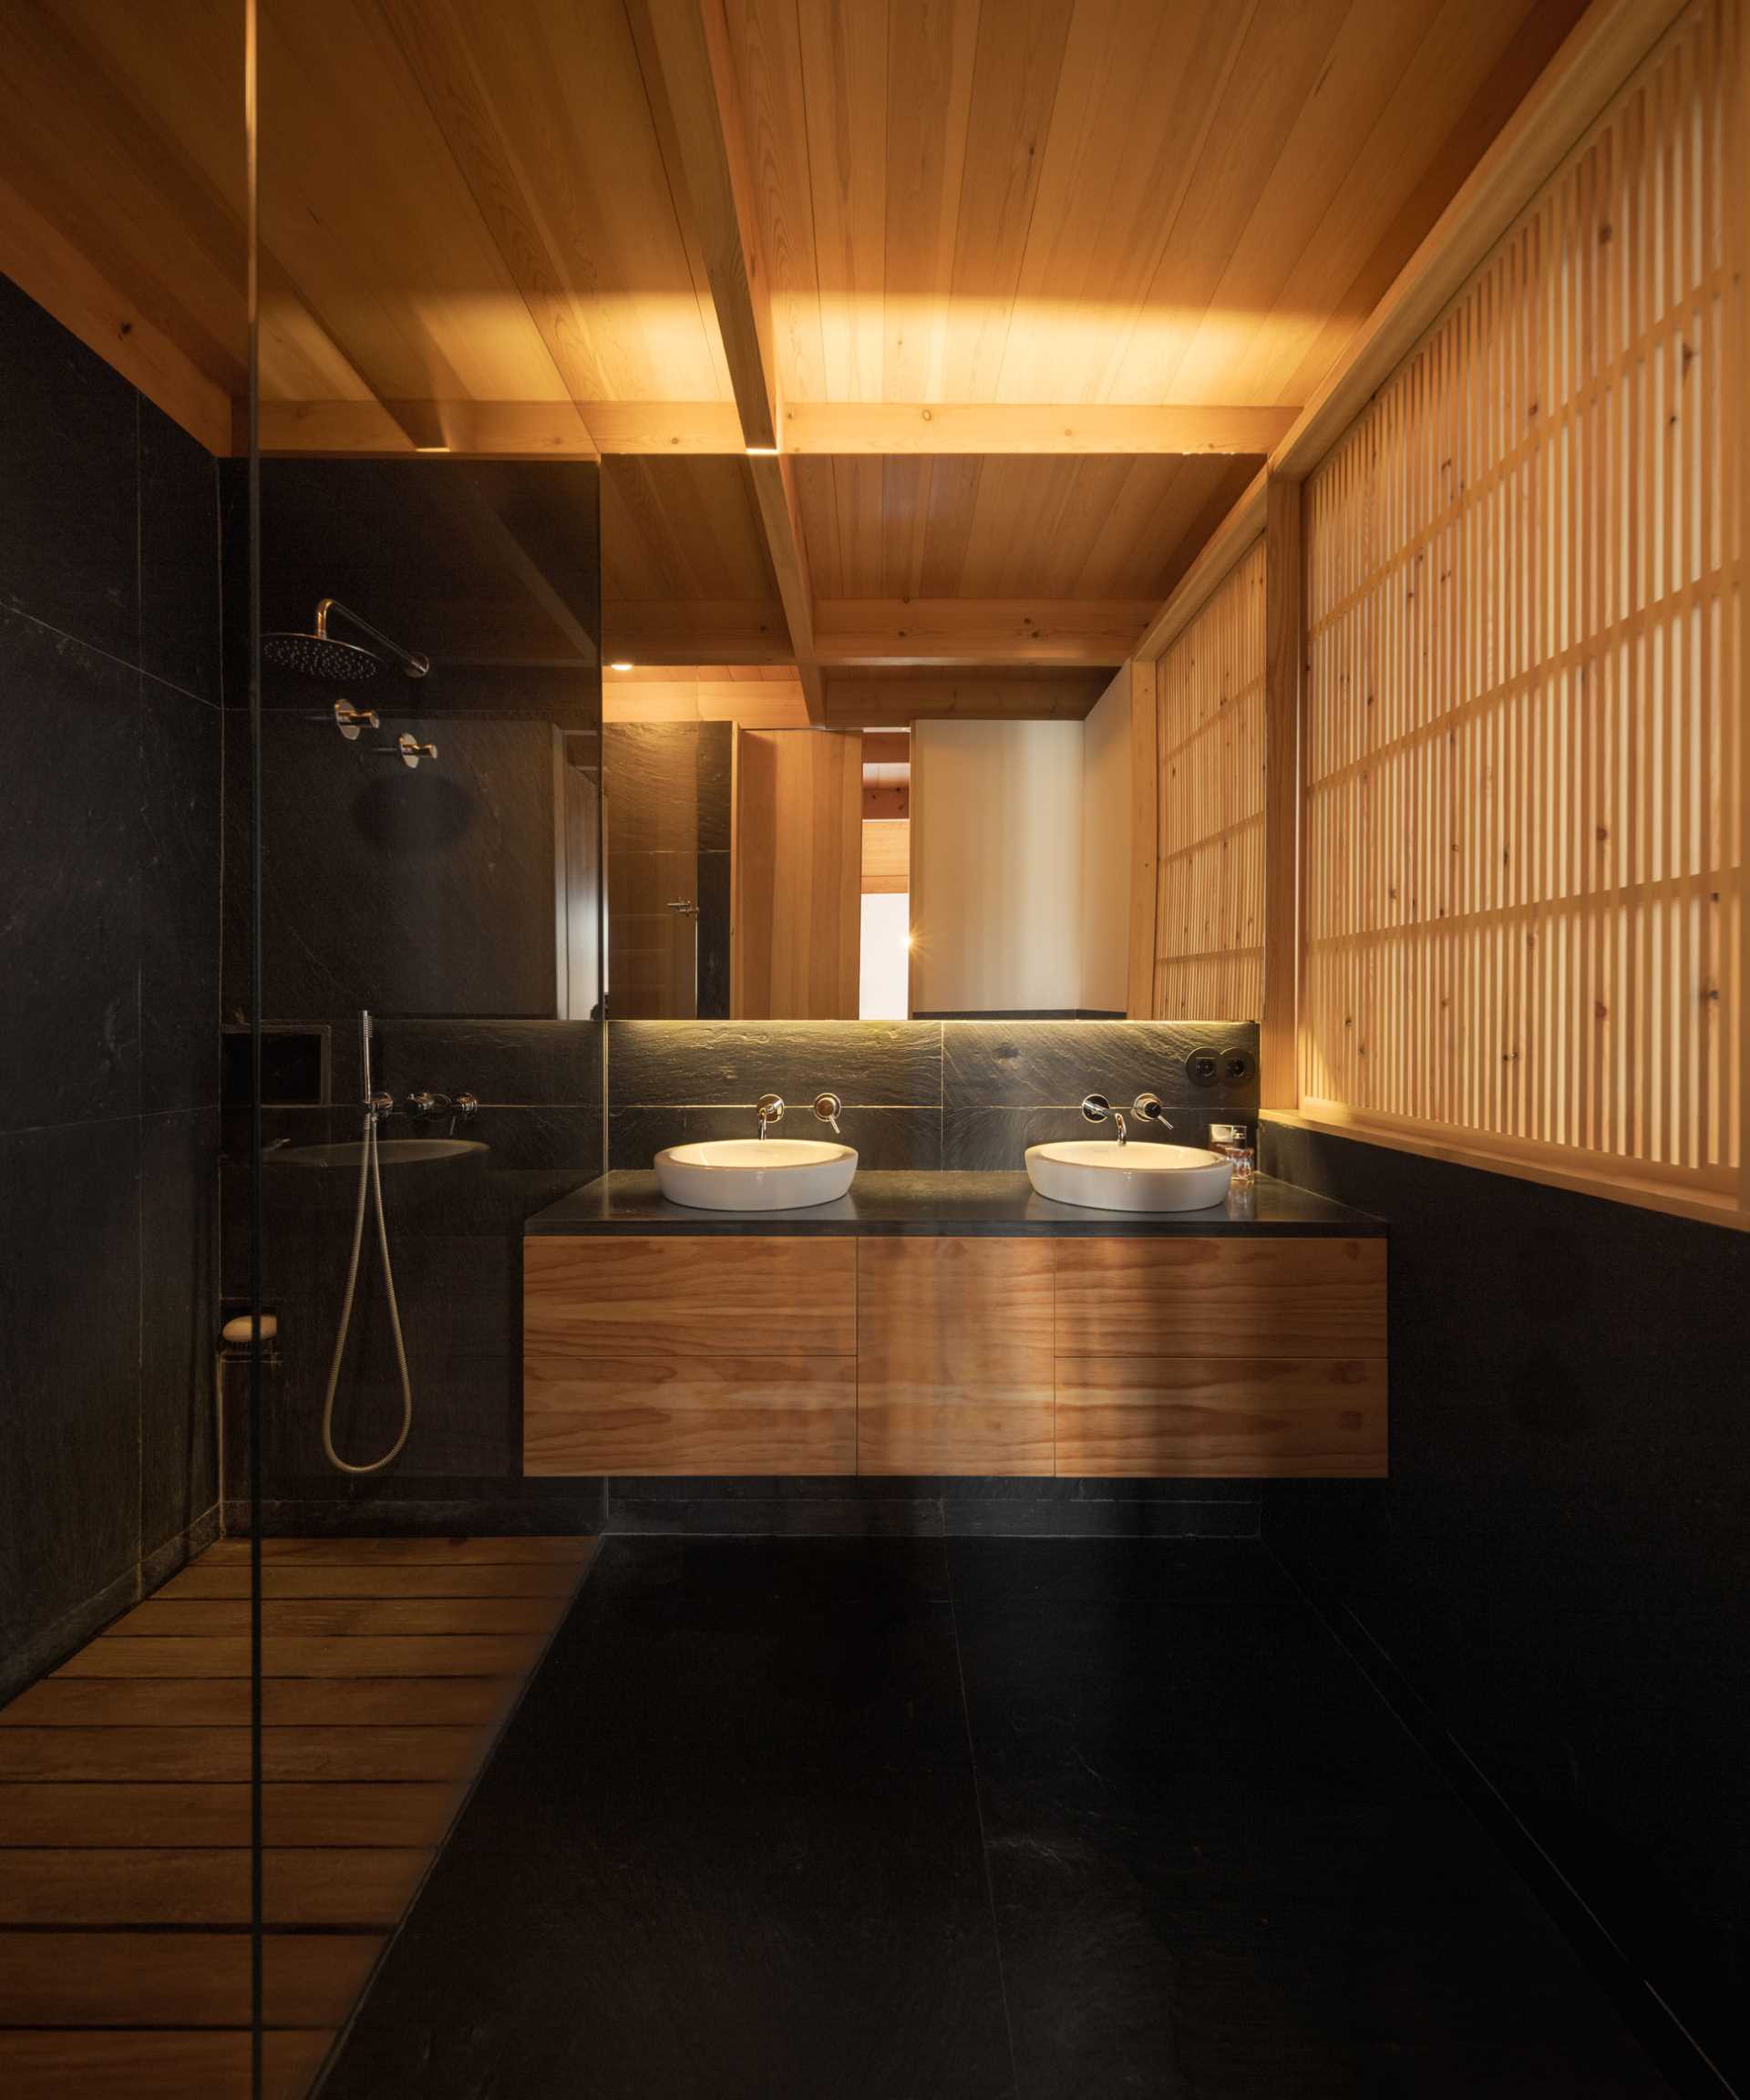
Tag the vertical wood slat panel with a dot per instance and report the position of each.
(1523, 734)
(1209, 918)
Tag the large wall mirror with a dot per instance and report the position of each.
(763, 867)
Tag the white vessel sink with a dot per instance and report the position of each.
(1103, 1175)
(390, 1152)
(755, 1173)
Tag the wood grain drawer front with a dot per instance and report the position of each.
(1226, 1416)
(1221, 1297)
(795, 1297)
(696, 1355)
(954, 1367)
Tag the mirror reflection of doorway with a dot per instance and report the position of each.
(667, 817)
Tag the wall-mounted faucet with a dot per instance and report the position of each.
(771, 1110)
(427, 1104)
(1095, 1109)
(828, 1108)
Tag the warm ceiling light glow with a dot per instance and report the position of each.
(620, 666)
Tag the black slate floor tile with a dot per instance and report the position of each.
(1027, 1572)
(723, 1853)
(1220, 1869)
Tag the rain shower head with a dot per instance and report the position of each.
(319, 655)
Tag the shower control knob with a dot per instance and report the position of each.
(465, 1105)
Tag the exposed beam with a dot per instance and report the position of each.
(891, 427)
(891, 701)
(978, 629)
(690, 39)
(755, 704)
(689, 631)
(36, 256)
(504, 429)
(1284, 666)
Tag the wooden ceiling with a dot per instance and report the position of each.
(912, 331)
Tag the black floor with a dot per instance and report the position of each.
(903, 1818)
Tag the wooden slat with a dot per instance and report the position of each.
(1221, 1297)
(179, 1979)
(1220, 1416)
(281, 1579)
(293, 1655)
(954, 1356)
(286, 1701)
(349, 1886)
(163, 1754)
(78, 2064)
(570, 1552)
(1208, 927)
(1143, 938)
(1279, 865)
(331, 1616)
(95, 1812)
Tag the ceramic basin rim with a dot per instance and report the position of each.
(824, 1155)
(1131, 1159)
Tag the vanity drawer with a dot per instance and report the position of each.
(1221, 1296)
(954, 1356)
(1256, 1417)
(682, 1355)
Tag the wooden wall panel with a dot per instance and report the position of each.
(1526, 709)
(954, 1355)
(1221, 1416)
(798, 875)
(1210, 915)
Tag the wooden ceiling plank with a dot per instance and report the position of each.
(932, 56)
(844, 105)
(765, 41)
(692, 629)
(892, 700)
(1018, 62)
(978, 629)
(986, 427)
(511, 429)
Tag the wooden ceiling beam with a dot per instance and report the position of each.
(690, 39)
(892, 701)
(971, 631)
(506, 429)
(689, 631)
(843, 427)
(1603, 50)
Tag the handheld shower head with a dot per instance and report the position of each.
(318, 655)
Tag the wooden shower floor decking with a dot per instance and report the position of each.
(125, 1802)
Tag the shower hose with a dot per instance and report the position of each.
(370, 1186)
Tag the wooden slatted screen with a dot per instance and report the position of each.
(1209, 921)
(1525, 812)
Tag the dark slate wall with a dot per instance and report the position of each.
(1558, 1563)
(111, 735)
(455, 901)
(955, 1095)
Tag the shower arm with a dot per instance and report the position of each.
(416, 666)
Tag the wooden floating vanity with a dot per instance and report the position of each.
(952, 1324)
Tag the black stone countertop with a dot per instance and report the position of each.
(927, 1205)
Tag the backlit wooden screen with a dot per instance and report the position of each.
(1525, 710)
(1211, 736)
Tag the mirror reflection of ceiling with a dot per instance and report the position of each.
(1023, 293)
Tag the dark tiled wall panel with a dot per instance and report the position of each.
(110, 740)
(957, 1094)
(1559, 1561)
(433, 897)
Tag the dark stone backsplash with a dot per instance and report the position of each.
(956, 1095)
